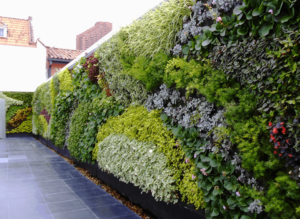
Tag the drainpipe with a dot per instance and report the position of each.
(49, 69)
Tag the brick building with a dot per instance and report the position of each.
(92, 35)
(16, 32)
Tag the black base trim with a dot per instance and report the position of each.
(160, 209)
(24, 134)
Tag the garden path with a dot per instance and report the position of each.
(36, 183)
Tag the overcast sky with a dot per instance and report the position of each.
(57, 22)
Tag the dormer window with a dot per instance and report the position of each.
(3, 31)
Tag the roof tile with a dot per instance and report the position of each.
(56, 53)
(18, 32)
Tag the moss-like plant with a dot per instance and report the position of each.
(65, 80)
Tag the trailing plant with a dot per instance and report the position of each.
(156, 30)
(79, 121)
(102, 108)
(139, 163)
(125, 88)
(60, 117)
(137, 123)
(84, 89)
(54, 86)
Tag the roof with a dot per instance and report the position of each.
(19, 33)
(56, 53)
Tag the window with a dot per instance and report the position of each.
(1, 32)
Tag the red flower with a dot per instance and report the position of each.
(290, 155)
(270, 124)
(276, 147)
(278, 143)
(280, 155)
(281, 123)
(275, 131)
(275, 152)
(283, 130)
(272, 137)
(287, 141)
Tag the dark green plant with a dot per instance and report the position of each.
(60, 117)
(79, 121)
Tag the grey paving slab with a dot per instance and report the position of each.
(36, 183)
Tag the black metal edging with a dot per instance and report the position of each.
(160, 209)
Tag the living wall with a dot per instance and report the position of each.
(18, 111)
(203, 94)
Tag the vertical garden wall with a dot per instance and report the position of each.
(18, 112)
(197, 102)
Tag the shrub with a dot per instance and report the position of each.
(137, 123)
(139, 163)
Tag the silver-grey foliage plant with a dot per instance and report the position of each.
(139, 163)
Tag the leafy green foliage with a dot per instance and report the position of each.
(102, 108)
(60, 117)
(137, 123)
(282, 198)
(139, 163)
(84, 89)
(148, 71)
(125, 88)
(78, 123)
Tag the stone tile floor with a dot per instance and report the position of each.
(36, 183)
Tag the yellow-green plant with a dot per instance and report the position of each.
(25, 126)
(137, 123)
(54, 87)
(157, 29)
(65, 80)
(44, 125)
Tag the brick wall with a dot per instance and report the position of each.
(92, 35)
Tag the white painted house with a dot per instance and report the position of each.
(22, 60)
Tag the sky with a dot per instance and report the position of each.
(57, 22)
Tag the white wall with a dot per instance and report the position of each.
(22, 68)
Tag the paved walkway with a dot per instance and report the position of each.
(36, 183)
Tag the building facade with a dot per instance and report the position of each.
(22, 59)
(92, 35)
(58, 58)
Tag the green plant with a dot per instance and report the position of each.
(10, 101)
(54, 87)
(65, 80)
(125, 88)
(102, 108)
(139, 163)
(148, 71)
(60, 117)
(157, 29)
(78, 123)
(137, 123)
(25, 126)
